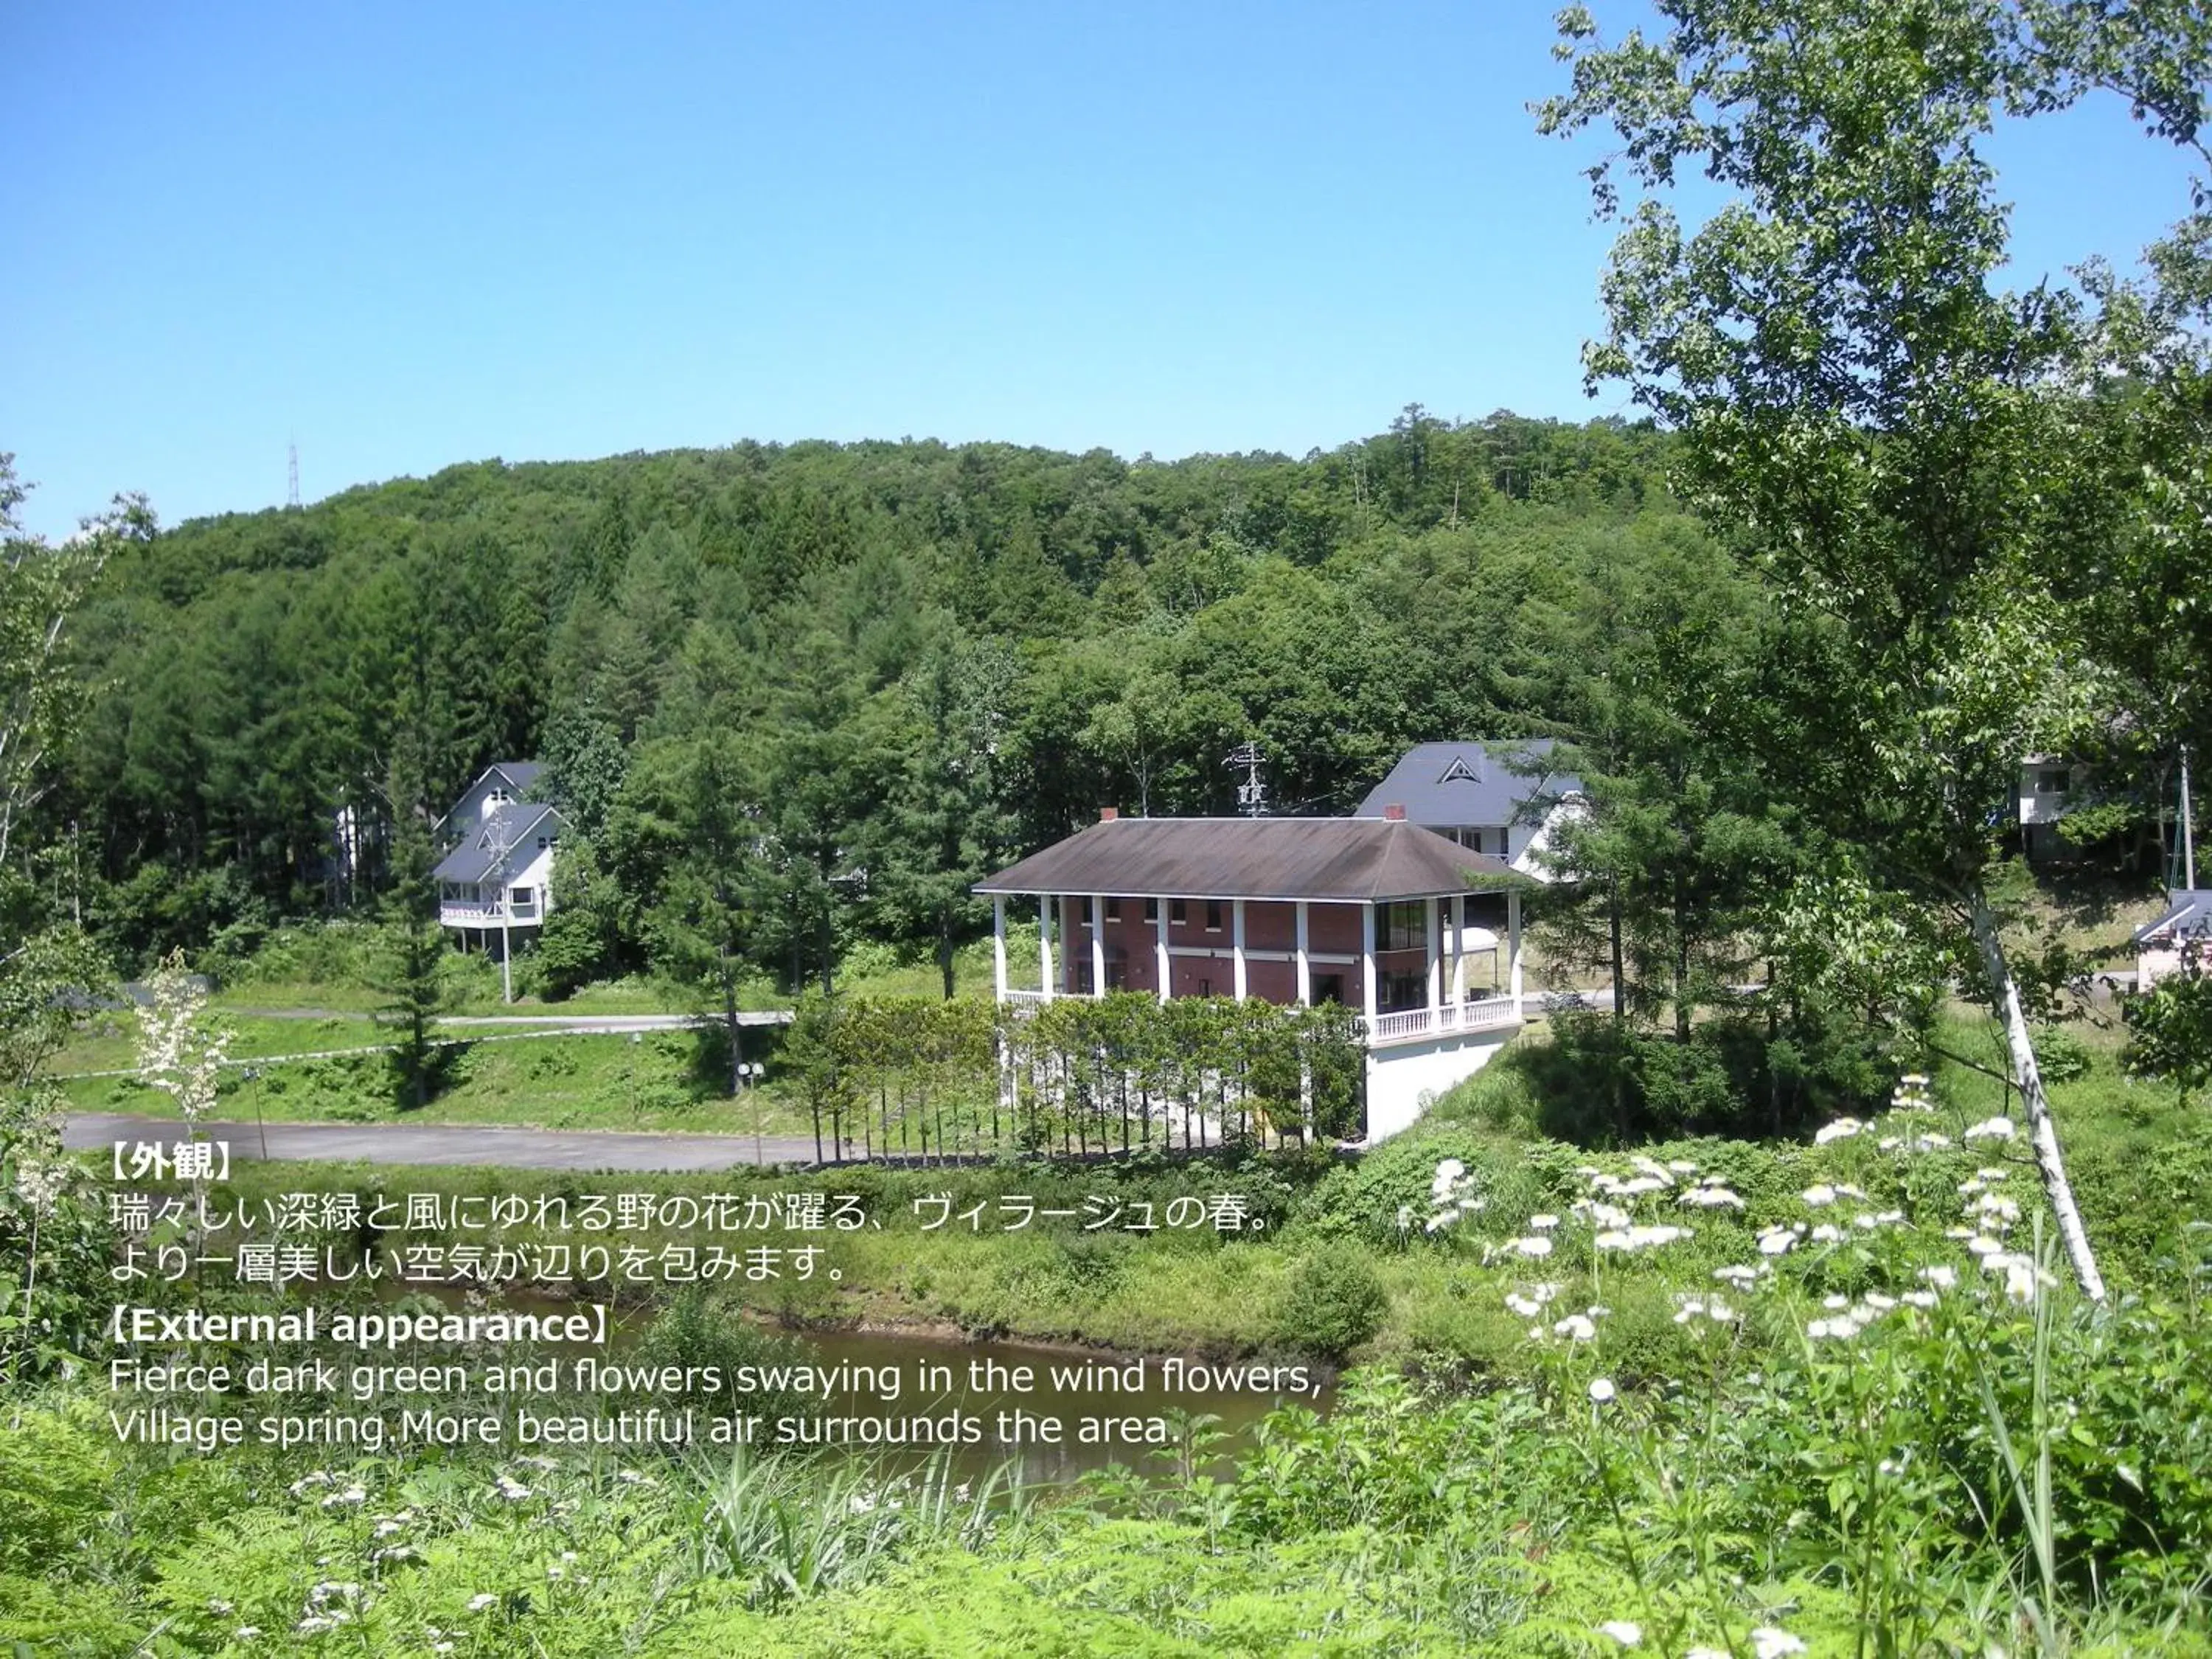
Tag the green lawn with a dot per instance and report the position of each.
(598, 1080)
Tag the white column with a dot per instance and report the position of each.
(1459, 948)
(1160, 944)
(1045, 945)
(1097, 945)
(1436, 961)
(1305, 962)
(1367, 962)
(1513, 947)
(997, 947)
(1236, 942)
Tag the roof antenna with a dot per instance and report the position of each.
(1251, 794)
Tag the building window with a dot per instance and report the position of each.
(1206, 987)
(1113, 909)
(1177, 913)
(2052, 780)
(1214, 915)
(541, 843)
(520, 896)
(1152, 909)
(1401, 927)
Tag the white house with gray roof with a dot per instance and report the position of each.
(1502, 797)
(496, 878)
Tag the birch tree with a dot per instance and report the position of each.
(1885, 433)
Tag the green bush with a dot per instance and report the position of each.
(2060, 1055)
(1334, 1302)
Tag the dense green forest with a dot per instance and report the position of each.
(904, 661)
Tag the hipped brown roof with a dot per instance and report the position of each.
(1348, 860)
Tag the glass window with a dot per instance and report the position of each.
(1177, 913)
(1152, 909)
(1113, 909)
(1214, 915)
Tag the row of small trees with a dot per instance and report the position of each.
(917, 1077)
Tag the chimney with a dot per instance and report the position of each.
(1108, 814)
(1394, 813)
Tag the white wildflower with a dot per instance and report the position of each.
(1742, 1278)
(1990, 1128)
(1943, 1278)
(1688, 1308)
(346, 1499)
(1542, 1223)
(1601, 1390)
(1576, 1328)
(1639, 1237)
(1681, 1166)
(478, 1603)
(1769, 1643)
(1780, 1240)
(1842, 1129)
(1921, 1298)
(1710, 1198)
(1819, 1196)
(1626, 1632)
(1534, 1245)
(1827, 1233)
(511, 1489)
(246, 1632)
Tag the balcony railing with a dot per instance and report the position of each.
(1031, 996)
(1408, 1025)
(457, 913)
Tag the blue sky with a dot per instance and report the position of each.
(408, 236)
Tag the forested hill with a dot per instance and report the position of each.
(905, 661)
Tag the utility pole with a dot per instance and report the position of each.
(1251, 794)
(2188, 833)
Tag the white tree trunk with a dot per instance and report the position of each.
(2028, 1080)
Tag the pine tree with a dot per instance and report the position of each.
(413, 979)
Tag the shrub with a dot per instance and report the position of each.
(1335, 1303)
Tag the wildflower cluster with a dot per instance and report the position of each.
(1452, 1196)
(179, 1053)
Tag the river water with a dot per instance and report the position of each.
(1065, 1384)
(982, 1379)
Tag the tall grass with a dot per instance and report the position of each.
(796, 1528)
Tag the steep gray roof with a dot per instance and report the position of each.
(1344, 860)
(2187, 910)
(520, 775)
(1469, 784)
(520, 823)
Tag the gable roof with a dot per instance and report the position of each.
(519, 775)
(517, 822)
(2187, 910)
(1468, 784)
(1349, 860)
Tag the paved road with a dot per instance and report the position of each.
(559, 1021)
(438, 1143)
